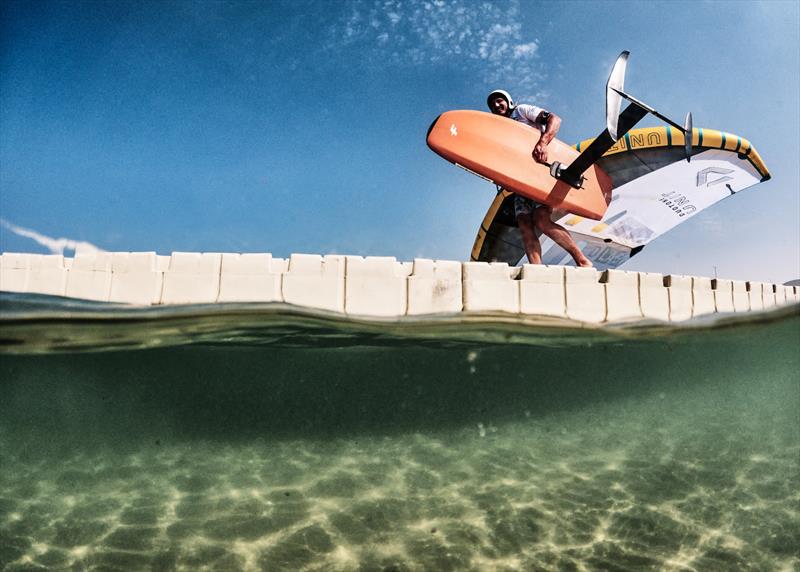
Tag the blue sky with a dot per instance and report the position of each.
(300, 126)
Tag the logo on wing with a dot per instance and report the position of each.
(453, 130)
(703, 176)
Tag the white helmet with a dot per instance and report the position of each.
(505, 95)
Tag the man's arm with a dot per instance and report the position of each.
(551, 128)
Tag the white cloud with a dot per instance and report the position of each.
(485, 38)
(526, 50)
(54, 245)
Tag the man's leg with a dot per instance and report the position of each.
(533, 248)
(559, 235)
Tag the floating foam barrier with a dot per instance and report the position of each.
(47, 274)
(315, 281)
(679, 289)
(586, 297)
(251, 278)
(741, 300)
(376, 286)
(490, 286)
(136, 278)
(702, 296)
(434, 286)
(14, 270)
(622, 295)
(541, 290)
(723, 294)
(754, 293)
(383, 286)
(89, 276)
(653, 296)
(192, 278)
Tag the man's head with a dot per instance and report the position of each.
(500, 102)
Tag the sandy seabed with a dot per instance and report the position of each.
(623, 487)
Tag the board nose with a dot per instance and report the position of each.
(428, 134)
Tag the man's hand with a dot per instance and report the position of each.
(553, 124)
(540, 152)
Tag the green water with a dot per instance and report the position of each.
(258, 441)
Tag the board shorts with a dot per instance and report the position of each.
(524, 205)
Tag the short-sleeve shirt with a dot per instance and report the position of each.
(529, 115)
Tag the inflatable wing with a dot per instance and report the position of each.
(655, 189)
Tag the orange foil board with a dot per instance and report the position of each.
(500, 149)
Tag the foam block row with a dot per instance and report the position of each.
(382, 286)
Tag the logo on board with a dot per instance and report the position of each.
(453, 130)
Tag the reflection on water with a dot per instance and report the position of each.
(678, 450)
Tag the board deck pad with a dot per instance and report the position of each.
(500, 149)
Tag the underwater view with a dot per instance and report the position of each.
(262, 437)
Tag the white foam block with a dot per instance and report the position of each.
(755, 294)
(541, 290)
(434, 287)
(780, 295)
(490, 286)
(315, 281)
(586, 297)
(251, 278)
(14, 271)
(192, 278)
(622, 295)
(135, 278)
(788, 294)
(162, 263)
(679, 289)
(90, 276)
(702, 296)
(770, 296)
(47, 275)
(723, 295)
(741, 299)
(375, 286)
(654, 296)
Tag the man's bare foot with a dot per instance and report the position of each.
(585, 263)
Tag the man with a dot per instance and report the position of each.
(530, 214)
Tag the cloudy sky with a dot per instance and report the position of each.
(300, 126)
